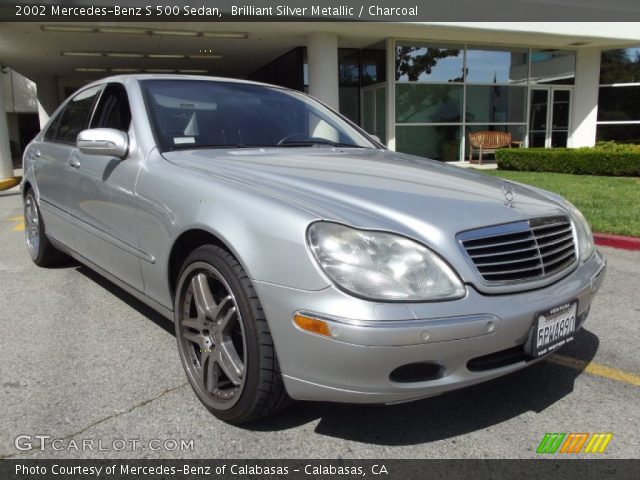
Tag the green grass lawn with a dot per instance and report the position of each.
(611, 204)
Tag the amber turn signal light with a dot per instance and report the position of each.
(312, 325)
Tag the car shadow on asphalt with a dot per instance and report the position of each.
(126, 297)
(449, 415)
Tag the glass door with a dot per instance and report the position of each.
(374, 110)
(549, 116)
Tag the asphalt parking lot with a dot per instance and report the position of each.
(81, 359)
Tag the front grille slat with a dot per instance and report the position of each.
(508, 262)
(492, 245)
(522, 251)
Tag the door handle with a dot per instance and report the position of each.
(74, 162)
(37, 153)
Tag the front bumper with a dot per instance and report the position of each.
(459, 342)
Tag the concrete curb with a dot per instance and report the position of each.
(617, 241)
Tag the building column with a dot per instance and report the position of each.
(322, 58)
(6, 164)
(48, 98)
(585, 98)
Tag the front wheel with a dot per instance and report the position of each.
(223, 338)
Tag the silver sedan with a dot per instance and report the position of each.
(296, 255)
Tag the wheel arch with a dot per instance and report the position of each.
(186, 243)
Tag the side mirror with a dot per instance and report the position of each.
(377, 139)
(103, 141)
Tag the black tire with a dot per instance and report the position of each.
(262, 391)
(42, 252)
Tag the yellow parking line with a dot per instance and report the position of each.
(596, 369)
(19, 227)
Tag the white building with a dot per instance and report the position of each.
(421, 87)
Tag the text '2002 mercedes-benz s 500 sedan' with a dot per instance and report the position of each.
(296, 255)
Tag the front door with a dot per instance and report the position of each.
(102, 199)
(549, 116)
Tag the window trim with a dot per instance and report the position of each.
(104, 88)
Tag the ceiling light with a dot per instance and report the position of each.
(159, 70)
(177, 33)
(125, 54)
(225, 34)
(82, 54)
(210, 57)
(125, 70)
(124, 30)
(193, 71)
(84, 69)
(164, 55)
(67, 28)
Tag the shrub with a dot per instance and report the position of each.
(608, 159)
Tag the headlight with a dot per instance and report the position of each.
(586, 245)
(381, 266)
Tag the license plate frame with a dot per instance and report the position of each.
(560, 323)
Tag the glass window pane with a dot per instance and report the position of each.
(436, 142)
(553, 67)
(348, 67)
(619, 103)
(517, 133)
(381, 114)
(431, 64)
(620, 66)
(561, 99)
(374, 66)
(350, 103)
(629, 133)
(75, 116)
(497, 66)
(495, 103)
(368, 110)
(424, 103)
(539, 106)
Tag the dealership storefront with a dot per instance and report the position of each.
(421, 87)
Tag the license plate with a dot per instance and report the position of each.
(554, 328)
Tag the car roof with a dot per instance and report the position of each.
(167, 76)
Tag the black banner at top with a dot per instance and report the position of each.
(318, 10)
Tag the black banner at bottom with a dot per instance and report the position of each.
(565, 469)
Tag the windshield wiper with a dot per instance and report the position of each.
(191, 146)
(315, 143)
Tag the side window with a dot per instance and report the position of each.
(113, 110)
(75, 115)
(50, 134)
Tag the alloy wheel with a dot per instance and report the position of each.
(211, 336)
(32, 226)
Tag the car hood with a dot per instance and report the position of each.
(423, 199)
(372, 188)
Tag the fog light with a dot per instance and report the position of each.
(312, 325)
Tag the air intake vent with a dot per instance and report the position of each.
(521, 251)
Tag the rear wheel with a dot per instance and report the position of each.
(223, 338)
(42, 252)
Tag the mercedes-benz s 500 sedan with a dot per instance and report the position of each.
(297, 256)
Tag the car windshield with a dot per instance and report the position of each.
(187, 114)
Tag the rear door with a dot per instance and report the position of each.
(52, 162)
(101, 195)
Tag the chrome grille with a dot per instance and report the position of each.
(521, 251)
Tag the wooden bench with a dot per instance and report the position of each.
(487, 142)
